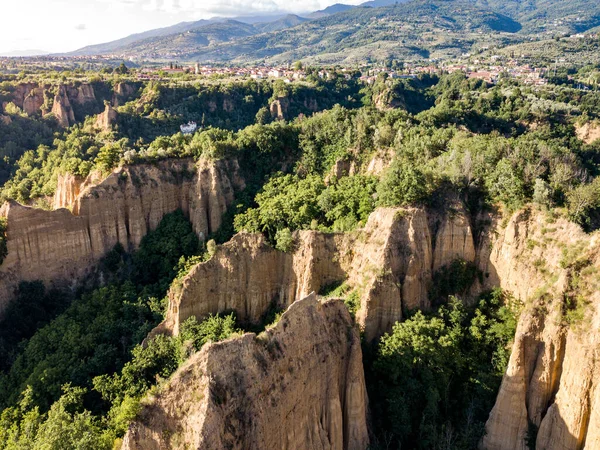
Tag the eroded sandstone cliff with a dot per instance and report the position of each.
(297, 386)
(390, 263)
(62, 109)
(549, 264)
(551, 384)
(66, 99)
(61, 246)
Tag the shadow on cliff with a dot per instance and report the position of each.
(505, 430)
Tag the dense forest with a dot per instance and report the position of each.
(73, 369)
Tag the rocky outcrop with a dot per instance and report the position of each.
(588, 132)
(228, 105)
(390, 263)
(107, 118)
(123, 93)
(60, 247)
(69, 99)
(298, 386)
(247, 275)
(380, 161)
(62, 109)
(85, 94)
(551, 381)
(311, 104)
(69, 187)
(21, 92)
(279, 108)
(33, 102)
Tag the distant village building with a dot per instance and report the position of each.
(188, 128)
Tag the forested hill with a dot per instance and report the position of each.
(545, 15)
(417, 29)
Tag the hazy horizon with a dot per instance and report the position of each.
(56, 26)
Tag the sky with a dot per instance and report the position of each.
(66, 25)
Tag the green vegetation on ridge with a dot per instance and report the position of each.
(74, 373)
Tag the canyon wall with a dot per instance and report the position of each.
(67, 99)
(297, 386)
(61, 246)
(390, 263)
(551, 383)
(549, 394)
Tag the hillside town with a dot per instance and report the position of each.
(483, 64)
(489, 71)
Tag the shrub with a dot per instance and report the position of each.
(440, 372)
(402, 184)
(284, 240)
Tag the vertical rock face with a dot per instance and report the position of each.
(33, 102)
(298, 386)
(107, 118)
(31, 98)
(279, 108)
(59, 247)
(551, 380)
(85, 94)
(62, 109)
(68, 188)
(392, 267)
(389, 263)
(123, 92)
(21, 92)
(247, 275)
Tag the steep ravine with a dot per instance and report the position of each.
(550, 381)
(62, 246)
(549, 393)
(551, 384)
(67, 102)
(390, 263)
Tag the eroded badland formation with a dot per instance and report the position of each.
(301, 384)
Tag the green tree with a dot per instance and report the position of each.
(438, 375)
(402, 184)
(122, 69)
(284, 240)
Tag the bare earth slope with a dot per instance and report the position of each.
(390, 263)
(61, 246)
(552, 379)
(299, 385)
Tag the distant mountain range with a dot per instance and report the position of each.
(375, 30)
(263, 23)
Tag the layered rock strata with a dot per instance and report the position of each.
(550, 394)
(60, 247)
(105, 120)
(297, 386)
(62, 109)
(390, 263)
(32, 98)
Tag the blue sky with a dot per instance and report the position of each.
(65, 25)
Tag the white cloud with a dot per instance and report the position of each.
(229, 7)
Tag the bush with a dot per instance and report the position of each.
(211, 329)
(402, 184)
(438, 374)
(284, 240)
